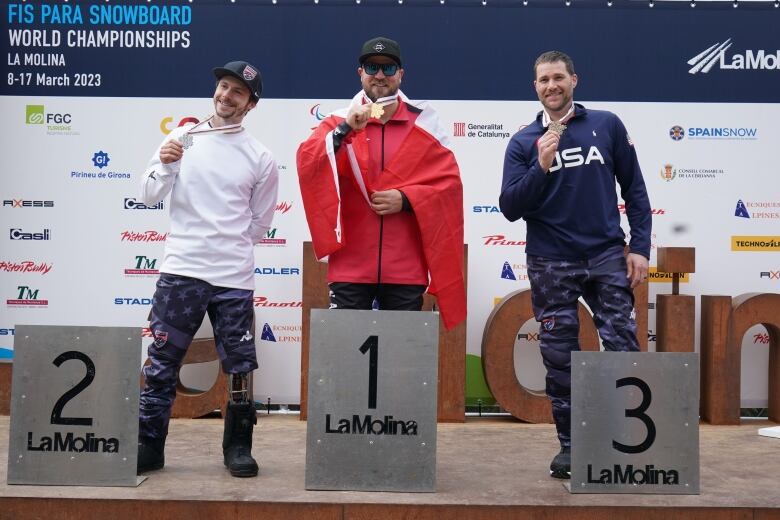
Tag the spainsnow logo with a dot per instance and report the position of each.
(21, 203)
(746, 60)
(143, 236)
(100, 159)
(143, 266)
(133, 203)
(27, 297)
(26, 266)
(677, 133)
(281, 333)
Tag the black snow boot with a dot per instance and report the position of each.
(560, 467)
(151, 454)
(240, 418)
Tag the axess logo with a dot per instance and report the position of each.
(22, 203)
(143, 266)
(165, 123)
(770, 275)
(281, 333)
(133, 203)
(749, 59)
(22, 234)
(271, 239)
(27, 297)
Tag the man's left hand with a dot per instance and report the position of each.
(637, 268)
(386, 202)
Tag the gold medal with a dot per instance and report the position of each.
(557, 127)
(377, 110)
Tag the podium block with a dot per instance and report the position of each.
(372, 400)
(635, 422)
(74, 406)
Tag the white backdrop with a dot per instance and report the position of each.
(95, 234)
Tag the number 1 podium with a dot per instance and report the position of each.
(372, 401)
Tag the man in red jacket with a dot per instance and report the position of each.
(383, 196)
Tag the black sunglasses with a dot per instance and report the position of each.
(388, 69)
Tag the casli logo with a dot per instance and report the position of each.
(166, 121)
(271, 240)
(770, 275)
(572, 157)
(144, 266)
(100, 159)
(262, 301)
(27, 297)
(20, 234)
(500, 240)
(132, 203)
(283, 207)
(143, 236)
(459, 129)
(26, 266)
(749, 60)
(20, 203)
(485, 209)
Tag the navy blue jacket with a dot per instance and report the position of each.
(572, 212)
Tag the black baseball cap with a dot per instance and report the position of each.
(245, 72)
(381, 46)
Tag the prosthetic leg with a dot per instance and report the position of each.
(240, 418)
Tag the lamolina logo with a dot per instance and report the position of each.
(747, 60)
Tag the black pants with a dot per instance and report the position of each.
(388, 296)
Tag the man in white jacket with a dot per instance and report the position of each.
(223, 186)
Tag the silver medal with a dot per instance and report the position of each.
(186, 140)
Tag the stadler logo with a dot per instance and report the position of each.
(747, 60)
(132, 203)
(56, 123)
(20, 234)
(480, 130)
(100, 159)
(21, 203)
(677, 133)
(278, 271)
(485, 209)
(315, 111)
(27, 297)
(132, 301)
(758, 209)
(166, 121)
(143, 266)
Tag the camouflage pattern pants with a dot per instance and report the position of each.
(556, 285)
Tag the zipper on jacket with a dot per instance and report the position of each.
(381, 217)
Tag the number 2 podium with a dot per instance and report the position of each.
(372, 400)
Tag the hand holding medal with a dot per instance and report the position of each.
(557, 127)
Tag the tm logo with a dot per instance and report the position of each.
(34, 115)
(27, 297)
(143, 265)
(100, 159)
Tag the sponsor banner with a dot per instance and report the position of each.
(26, 296)
(757, 210)
(670, 172)
(755, 243)
(22, 203)
(281, 332)
(143, 236)
(25, 234)
(26, 266)
(100, 160)
(655, 276)
(272, 239)
(143, 266)
(770, 275)
(264, 301)
(719, 133)
(277, 271)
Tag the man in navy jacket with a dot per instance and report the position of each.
(559, 176)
